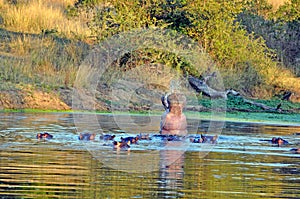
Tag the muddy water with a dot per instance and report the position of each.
(240, 165)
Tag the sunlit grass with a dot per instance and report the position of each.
(37, 16)
(42, 61)
(28, 55)
(277, 3)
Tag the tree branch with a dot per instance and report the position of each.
(202, 87)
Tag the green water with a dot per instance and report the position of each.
(238, 166)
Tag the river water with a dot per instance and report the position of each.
(239, 165)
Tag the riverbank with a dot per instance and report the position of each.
(281, 119)
(60, 99)
(33, 100)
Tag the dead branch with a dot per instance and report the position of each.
(263, 106)
(202, 87)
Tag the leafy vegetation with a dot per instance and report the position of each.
(253, 45)
(280, 29)
(244, 59)
(238, 104)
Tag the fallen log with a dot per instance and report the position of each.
(202, 87)
(263, 106)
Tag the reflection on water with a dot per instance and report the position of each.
(239, 166)
(171, 172)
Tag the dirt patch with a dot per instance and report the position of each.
(123, 96)
(31, 99)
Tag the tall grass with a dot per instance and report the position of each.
(277, 3)
(36, 16)
(35, 58)
(41, 61)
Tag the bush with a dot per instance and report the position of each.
(279, 35)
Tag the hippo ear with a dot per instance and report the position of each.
(215, 137)
(164, 102)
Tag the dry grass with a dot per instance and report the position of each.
(40, 60)
(277, 3)
(36, 16)
(33, 59)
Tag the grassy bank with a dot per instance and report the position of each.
(249, 117)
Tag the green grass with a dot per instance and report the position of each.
(237, 103)
(250, 117)
(270, 118)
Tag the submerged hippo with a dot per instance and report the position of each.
(44, 136)
(87, 136)
(144, 137)
(170, 137)
(205, 139)
(295, 150)
(107, 137)
(131, 140)
(121, 145)
(277, 140)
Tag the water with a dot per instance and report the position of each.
(238, 166)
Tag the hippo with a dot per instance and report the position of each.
(169, 137)
(295, 150)
(144, 137)
(87, 136)
(205, 139)
(107, 137)
(277, 140)
(121, 145)
(44, 136)
(173, 120)
(131, 140)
